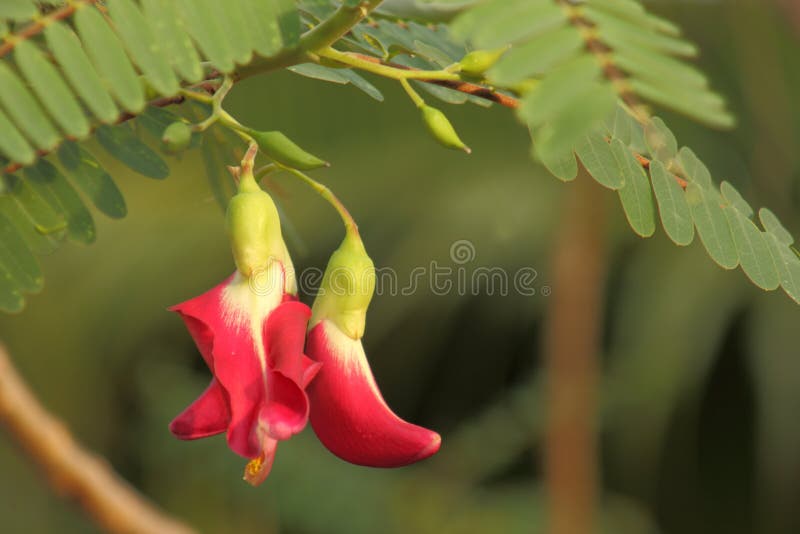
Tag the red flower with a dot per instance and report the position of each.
(348, 412)
(251, 330)
(252, 342)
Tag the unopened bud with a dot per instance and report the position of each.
(176, 137)
(442, 130)
(477, 62)
(285, 151)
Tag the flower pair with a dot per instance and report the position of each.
(271, 371)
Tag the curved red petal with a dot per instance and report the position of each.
(348, 413)
(285, 412)
(206, 416)
(202, 316)
(284, 338)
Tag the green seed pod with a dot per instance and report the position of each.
(284, 151)
(176, 137)
(441, 129)
(477, 62)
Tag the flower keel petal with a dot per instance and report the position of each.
(348, 413)
(207, 416)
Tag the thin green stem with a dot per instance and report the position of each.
(418, 101)
(336, 26)
(349, 223)
(320, 36)
(386, 71)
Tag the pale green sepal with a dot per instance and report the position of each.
(347, 288)
(254, 228)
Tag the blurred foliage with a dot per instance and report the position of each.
(702, 379)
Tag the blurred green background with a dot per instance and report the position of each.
(701, 372)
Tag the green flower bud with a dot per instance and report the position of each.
(477, 62)
(442, 130)
(176, 137)
(284, 151)
(347, 288)
(254, 227)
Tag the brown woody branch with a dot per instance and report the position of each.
(36, 27)
(72, 470)
(493, 96)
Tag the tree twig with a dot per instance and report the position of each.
(73, 471)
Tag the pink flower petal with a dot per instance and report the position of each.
(285, 336)
(206, 416)
(348, 413)
(202, 318)
(285, 412)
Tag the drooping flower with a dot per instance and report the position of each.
(250, 330)
(348, 412)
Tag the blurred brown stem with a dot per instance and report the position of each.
(74, 472)
(571, 366)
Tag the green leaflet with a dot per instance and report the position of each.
(144, 48)
(619, 125)
(623, 35)
(536, 57)
(558, 91)
(753, 250)
(706, 107)
(694, 170)
(38, 242)
(657, 67)
(273, 25)
(585, 113)
(56, 191)
(46, 220)
(19, 10)
(676, 217)
(25, 111)
(732, 197)
(498, 22)
(92, 179)
(51, 89)
(635, 13)
(340, 76)
(107, 54)
(207, 32)
(786, 264)
(712, 225)
(12, 144)
(17, 260)
(660, 140)
(10, 298)
(121, 142)
(80, 72)
(773, 226)
(170, 32)
(635, 195)
(598, 158)
(232, 19)
(563, 166)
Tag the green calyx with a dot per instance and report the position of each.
(254, 227)
(283, 150)
(477, 62)
(441, 129)
(347, 288)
